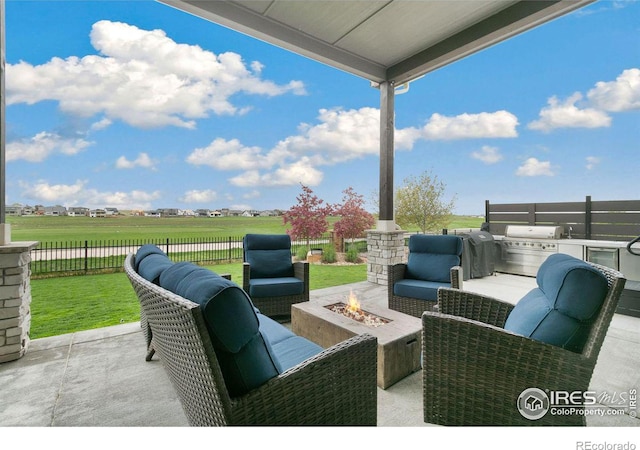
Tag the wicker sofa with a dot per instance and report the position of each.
(481, 354)
(232, 365)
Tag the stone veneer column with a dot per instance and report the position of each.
(384, 248)
(15, 299)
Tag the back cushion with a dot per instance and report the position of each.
(153, 265)
(143, 252)
(431, 257)
(560, 311)
(232, 325)
(170, 278)
(269, 255)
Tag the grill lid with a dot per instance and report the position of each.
(533, 231)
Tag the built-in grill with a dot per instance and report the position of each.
(524, 248)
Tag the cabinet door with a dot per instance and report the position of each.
(575, 250)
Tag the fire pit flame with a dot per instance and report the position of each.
(353, 311)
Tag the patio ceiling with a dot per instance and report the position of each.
(381, 40)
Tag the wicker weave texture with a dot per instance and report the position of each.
(335, 387)
(474, 370)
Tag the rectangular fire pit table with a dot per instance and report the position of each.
(398, 340)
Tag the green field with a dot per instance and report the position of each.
(70, 304)
(64, 229)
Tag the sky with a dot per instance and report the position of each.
(136, 105)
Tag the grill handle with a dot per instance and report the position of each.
(632, 251)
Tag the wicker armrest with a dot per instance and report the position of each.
(473, 306)
(456, 277)
(344, 374)
(467, 362)
(246, 276)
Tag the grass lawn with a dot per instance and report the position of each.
(70, 304)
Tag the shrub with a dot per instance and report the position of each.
(352, 255)
(301, 253)
(329, 254)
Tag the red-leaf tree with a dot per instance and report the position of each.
(308, 218)
(354, 219)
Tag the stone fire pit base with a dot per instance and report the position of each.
(398, 340)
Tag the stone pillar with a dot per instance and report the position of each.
(383, 248)
(15, 299)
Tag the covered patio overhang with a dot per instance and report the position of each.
(387, 42)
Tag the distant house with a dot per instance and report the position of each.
(77, 211)
(97, 213)
(28, 210)
(55, 210)
(168, 212)
(154, 213)
(234, 212)
(111, 211)
(13, 210)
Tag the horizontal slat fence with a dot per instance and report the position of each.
(88, 256)
(615, 220)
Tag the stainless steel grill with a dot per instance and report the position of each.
(524, 248)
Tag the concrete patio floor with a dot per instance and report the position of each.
(99, 378)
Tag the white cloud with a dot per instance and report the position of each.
(623, 94)
(620, 95)
(143, 160)
(78, 194)
(488, 155)
(499, 124)
(592, 162)
(229, 155)
(196, 196)
(44, 144)
(286, 175)
(143, 78)
(566, 114)
(534, 168)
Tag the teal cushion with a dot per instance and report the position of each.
(423, 290)
(233, 326)
(431, 257)
(171, 277)
(561, 309)
(272, 331)
(292, 351)
(152, 267)
(275, 287)
(268, 255)
(143, 252)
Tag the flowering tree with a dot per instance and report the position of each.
(354, 219)
(308, 218)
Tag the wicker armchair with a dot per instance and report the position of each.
(434, 262)
(335, 387)
(474, 371)
(271, 279)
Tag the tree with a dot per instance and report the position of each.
(354, 219)
(419, 203)
(308, 218)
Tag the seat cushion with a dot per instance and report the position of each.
(275, 287)
(561, 309)
(268, 255)
(423, 290)
(175, 274)
(153, 265)
(143, 252)
(292, 351)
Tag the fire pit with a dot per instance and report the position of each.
(325, 323)
(352, 310)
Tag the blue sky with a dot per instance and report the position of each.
(135, 105)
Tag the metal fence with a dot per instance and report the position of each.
(83, 257)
